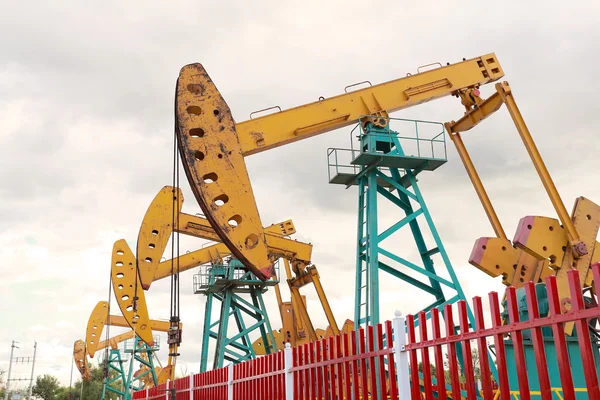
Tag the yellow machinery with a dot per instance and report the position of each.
(80, 354)
(542, 246)
(213, 147)
(157, 227)
(147, 376)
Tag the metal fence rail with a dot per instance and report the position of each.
(396, 360)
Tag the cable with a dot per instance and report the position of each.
(135, 316)
(174, 332)
(107, 324)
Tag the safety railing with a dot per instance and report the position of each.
(211, 274)
(395, 360)
(339, 162)
(418, 138)
(130, 343)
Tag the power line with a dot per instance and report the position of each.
(22, 360)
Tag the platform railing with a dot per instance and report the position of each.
(130, 343)
(420, 139)
(209, 274)
(413, 135)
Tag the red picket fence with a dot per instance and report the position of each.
(154, 393)
(260, 378)
(368, 364)
(351, 365)
(579, 314)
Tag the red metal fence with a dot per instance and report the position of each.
(580, 315)
(347, 366)
(395, 360)
(260, 378)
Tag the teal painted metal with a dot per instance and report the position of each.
(553, 372)
(124, 384)
(144, 355)
(114, 381)
(240, 295)
(573, 348)
(382, 169)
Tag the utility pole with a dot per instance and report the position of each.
(32, 367)
(71, 378)
(23, 360)
(12, 349)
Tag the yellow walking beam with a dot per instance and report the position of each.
(80, 354)
(213, 146)
(157, 227)
(288, 126)
(100, 317)
(154, 234)
(81, 359)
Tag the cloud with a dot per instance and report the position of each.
(86, 119)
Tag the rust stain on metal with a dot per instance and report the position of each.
(259, 138)
(210, 147)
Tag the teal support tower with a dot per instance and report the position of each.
(384, 163)
(123, 381)
(385, 172)
(239, 295)
(114, 380)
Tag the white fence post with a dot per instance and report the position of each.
(401, 356)
(230, 381)
(289, 375)
(192, 386)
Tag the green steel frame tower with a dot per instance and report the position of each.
(123, 382)
(239, 293)
(382, 169)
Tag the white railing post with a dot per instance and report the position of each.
(401, 356)
(192, 387)
(230, 381)
(289, 375)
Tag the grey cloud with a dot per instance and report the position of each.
(86, 120)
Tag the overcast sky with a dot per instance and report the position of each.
(86, 119)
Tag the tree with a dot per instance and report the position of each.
(2, 386)
(476, 367)
(46, 387)
(92, 389)
(20, 392)
(63, 394)
(432, 369)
